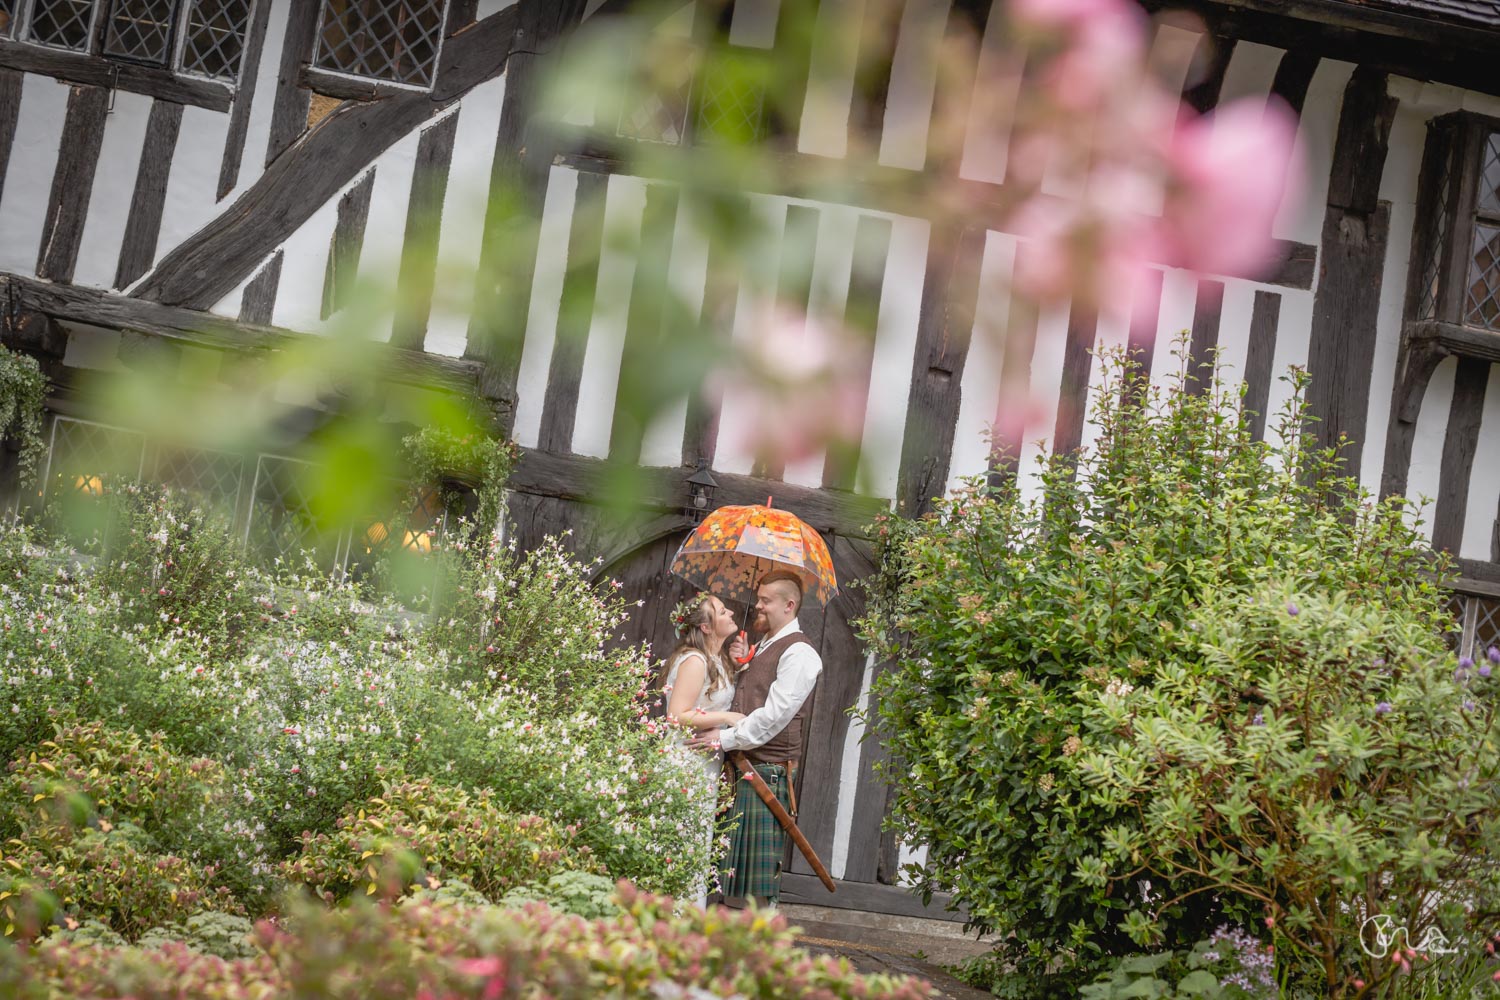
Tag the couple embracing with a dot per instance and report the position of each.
(757, 711)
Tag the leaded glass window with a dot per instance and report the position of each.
(7, 18)
(64, 24)
(1456, 246)
(392, 41)
(140, 30)
(213, 38)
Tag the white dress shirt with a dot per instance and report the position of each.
(796, 673)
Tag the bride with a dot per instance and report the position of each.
(698, 681)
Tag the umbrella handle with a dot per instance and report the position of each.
(749, 655)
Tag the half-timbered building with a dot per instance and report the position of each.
(213, 176)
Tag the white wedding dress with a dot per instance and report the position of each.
(713, 763)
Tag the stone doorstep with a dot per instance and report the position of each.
(879, 943)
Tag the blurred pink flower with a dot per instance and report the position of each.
(807, 386)
(1231, 169)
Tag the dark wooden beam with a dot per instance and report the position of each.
(72, 182)
(202, 329)
(289, 110)
(419, 245)
(1204, 342)
(1418, 360)
(244, 98)
(1423, 47)
(115, 74)
(143, 225)
(871, 187)
(345, 247)
(1460, 444)
(259, 301)
(945, 324)
(1294, 75)
(872, 244)
(1202, 94)
(204, 268)
(1355, 228)
(645, 319)
(1265, 316)
(575, 477)
(1073, 398)
(1145, 317)
(575, 318)
(10, 110)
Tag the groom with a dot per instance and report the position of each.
(772, 692)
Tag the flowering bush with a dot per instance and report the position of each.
(439, 950)
(421, 833)
(115, 828)
(319, 695)
(1134, 604)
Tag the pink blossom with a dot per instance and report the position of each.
(1231, 170)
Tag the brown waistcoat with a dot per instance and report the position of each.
(750, 693)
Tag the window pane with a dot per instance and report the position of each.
(215, 38)
(1489, 176)
(1483, 307)
(64, 23)
(658, 112)
(395, 41)
(7, 18)
(1435, 236)
(1486, 625)
(730, 107)
(140, 29)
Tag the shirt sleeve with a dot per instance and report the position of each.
(795, 676)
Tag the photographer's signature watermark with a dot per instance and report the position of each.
(1380, 934)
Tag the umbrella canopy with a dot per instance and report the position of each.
(735, 546)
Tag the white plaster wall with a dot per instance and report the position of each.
(114, 186)
(598, 385)
(380, 259)
(895, 344)
(1484, 480)
(258, 127)
(1302, 218)
(979, 392)
(546, 300)
(903, 141)
(193, 183)
(462, 226)
(28, 176)
(825, 115)
(687, 277)
(1427, 452)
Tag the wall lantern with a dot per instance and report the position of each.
(701, 486)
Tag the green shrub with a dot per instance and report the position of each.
(1229, 965)
(422, 833)
(1017, 621)
(583, 894)
(461, 953)
(207, 932)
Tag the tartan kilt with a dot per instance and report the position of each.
(757, 842)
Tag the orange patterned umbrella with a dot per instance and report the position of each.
(735, 546)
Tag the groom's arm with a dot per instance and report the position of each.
(795, 676)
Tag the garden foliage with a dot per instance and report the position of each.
(435, 949)
(211, 728)
(1195, 679)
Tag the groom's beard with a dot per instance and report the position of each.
(762, 626)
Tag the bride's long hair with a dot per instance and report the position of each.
(688, 619)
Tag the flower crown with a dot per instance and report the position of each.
(682, 615)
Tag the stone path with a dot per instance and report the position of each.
(891, 946)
